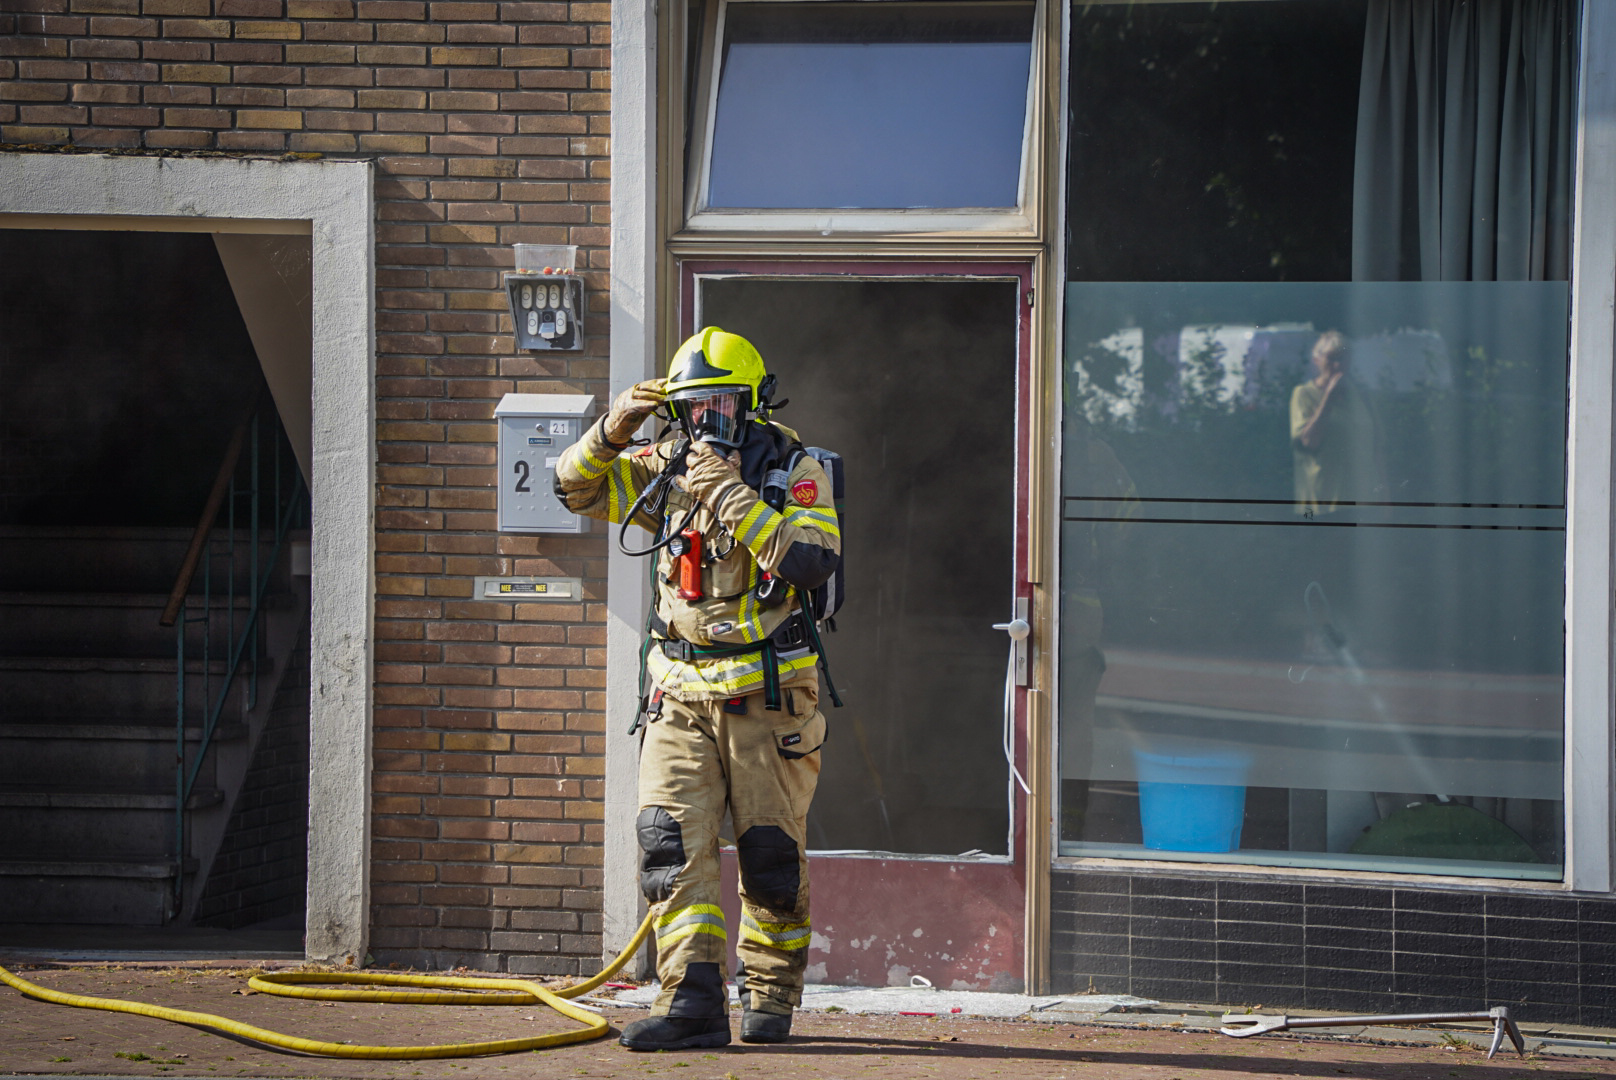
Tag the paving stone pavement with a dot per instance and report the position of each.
(39, 1038)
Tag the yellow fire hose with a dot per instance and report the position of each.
(284, 984)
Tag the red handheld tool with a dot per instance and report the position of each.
(687, 553)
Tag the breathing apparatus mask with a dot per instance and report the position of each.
(712, 414)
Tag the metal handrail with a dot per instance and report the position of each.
(210, 513)
(284, 503)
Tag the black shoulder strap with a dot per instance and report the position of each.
(777, 477)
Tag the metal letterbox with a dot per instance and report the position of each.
(533, 430)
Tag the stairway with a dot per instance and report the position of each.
(88, 723)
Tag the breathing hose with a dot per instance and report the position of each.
(285, 984)
(651, 501)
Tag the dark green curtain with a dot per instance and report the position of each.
(1465, 141)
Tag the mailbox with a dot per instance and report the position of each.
(533, 430)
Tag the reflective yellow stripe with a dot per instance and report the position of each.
(771, 524)
(727, 677)
(620, 493)
(681, 932)
(758, 525)
(751, 613)
(743, 531)
(689, 911)
(822, 520)
(682, 922)
(787, 936)
(587, 465)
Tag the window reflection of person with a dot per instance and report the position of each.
(1333, 433)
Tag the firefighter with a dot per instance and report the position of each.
(733, 705)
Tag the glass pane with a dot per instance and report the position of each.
(875, 106)
(913, 763)
(1348, 658)
(1314, 466)
(1213, 142)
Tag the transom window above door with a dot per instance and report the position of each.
(890, 116)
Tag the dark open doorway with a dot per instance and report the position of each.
(913, 383)
(126, 374)
(917, 374)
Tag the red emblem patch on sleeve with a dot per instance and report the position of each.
(805, 492)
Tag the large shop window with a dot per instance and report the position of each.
(1313, 537)
(866, 106)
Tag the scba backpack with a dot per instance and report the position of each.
(820, 604)
(826, 600)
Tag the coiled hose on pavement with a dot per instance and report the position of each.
(286, 984)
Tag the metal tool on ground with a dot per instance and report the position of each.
(447, 991)
(1244, 1024)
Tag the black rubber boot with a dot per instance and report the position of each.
(676, 1033)
(762, 1027)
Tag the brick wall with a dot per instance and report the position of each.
(488, 125)
(261, 871)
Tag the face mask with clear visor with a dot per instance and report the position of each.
(713, 414)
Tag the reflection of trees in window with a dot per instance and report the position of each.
(1213, 142)
(1452, 414)
(1197, 402)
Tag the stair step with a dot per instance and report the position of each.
(118, 623)
(134, 559)
(122, 890)
(87, 834)
(118, 665)
(86, 823)
(105, 754)
(158, 866)
(17, 796)
(154, 601)
(94, 686)
(115, 729)
(111, 558)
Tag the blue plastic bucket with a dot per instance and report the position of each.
(1192, 802)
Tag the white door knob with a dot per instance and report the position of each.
(1018, 629)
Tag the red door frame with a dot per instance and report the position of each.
(879, 919)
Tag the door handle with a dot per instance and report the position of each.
(1020, 631)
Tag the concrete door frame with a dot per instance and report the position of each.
(332, 202)
(635, 254)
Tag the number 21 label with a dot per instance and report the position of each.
(558, 427)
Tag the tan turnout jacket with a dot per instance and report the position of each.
(750, 536)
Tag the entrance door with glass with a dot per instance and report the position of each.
(916, 375)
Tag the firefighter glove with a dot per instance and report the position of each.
(708, 474)
(631, 408)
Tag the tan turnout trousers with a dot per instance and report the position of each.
(697, 757)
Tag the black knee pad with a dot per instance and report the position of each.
(769, 869)
(662, 849)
